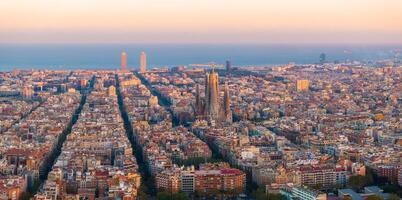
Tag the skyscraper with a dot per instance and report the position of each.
(323, 58)
(212, 95)
(123, 61)
(228, 65)
(143, 62)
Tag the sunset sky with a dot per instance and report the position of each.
(201, 21)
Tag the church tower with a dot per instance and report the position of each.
(226, 104)
(198, 103)
(212, 95)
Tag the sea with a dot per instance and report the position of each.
(107, 56)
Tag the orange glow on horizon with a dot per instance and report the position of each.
(336, 17)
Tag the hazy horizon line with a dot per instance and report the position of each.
(203, 43)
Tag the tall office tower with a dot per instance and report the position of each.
(228, 65)
(143, 62)
(302, 85)
(123, 61)
(212, 95)
(323, 58)
(226, 104)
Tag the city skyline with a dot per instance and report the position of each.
(312, 132)
(179, 21)
(246, 100)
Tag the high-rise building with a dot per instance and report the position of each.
(323, 58)
(228, 65)
(143, 62)
(212, 95)
(302, 85)
(123, 61)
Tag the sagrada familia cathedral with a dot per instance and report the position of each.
(210, 107)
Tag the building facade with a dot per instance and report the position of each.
(143, 62)
(123, 61)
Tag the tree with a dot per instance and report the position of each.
(276, 197)
(170, 196)
(25, 196)
(393, 197)
(163, 196)
(355, 182)
(179, 196)
(260, 194)
(317, 186)
(358, 182)
(369, 177)
(142, 195)
(374, 197)
(97, 192)
(395, 189)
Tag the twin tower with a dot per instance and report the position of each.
(211, 108)
(143, 61)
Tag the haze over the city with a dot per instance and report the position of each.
(207, 21)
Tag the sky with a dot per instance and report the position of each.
(201, 21)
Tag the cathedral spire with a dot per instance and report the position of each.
(226, 100)
(197, 99)
(226, 104)
(212, 95)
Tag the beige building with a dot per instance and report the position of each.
(143, 62)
